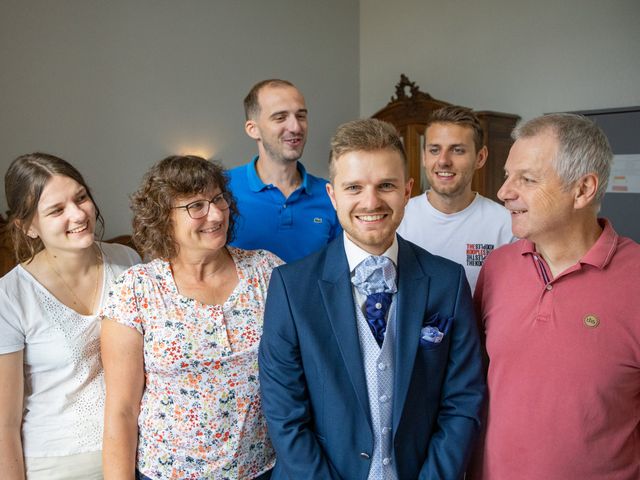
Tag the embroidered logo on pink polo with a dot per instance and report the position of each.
(591, 321)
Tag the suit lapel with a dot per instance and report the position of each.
(413, 285)
(335, 288)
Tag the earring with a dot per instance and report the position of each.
(32, 234)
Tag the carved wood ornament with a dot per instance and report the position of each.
(409, 114)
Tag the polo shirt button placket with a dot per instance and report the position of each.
(286, 216)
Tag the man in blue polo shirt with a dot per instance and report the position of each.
(283, 208)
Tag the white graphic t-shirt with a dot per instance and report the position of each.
(466, 237)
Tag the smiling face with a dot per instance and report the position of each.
(541, 205)
(280, 127)
(369, 191)
(65, 218)
(450, 160)
(205, 234)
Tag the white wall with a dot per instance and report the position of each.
(114, 86)
(520, 57)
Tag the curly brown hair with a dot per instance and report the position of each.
(26, 178)
(173, 177)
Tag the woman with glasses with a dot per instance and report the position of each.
(180, 336)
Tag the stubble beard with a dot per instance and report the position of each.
(453, 192)
(279, 157)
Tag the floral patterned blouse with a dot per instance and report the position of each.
(201, 414)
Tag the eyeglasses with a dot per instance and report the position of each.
(200, 208)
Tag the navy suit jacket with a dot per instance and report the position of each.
(314, 391)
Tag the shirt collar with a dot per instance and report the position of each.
(599, 255)
(355, 254)
(256, 184)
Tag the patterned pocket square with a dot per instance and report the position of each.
(434, 330)
(431, 334)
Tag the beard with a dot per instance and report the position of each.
(282, 155)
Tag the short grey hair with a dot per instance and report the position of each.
(583, 147)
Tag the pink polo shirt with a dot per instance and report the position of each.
(564, 363)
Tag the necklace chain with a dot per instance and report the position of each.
(64, 282)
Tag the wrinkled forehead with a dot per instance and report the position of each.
(536, 152)
(274, 97)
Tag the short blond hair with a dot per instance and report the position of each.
(364, 135)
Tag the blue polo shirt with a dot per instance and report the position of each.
(292, 227)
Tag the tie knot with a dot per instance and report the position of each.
(375, 274)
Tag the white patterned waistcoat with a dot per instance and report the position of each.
(379, 367)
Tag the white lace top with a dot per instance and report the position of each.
(64, 385)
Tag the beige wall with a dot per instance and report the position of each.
(521, 57)
(114, 86)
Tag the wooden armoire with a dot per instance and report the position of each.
(409, 113)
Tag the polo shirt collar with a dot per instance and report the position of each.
(257, 185)
(599, 255)
(602, 251)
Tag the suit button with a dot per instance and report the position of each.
(365, 455)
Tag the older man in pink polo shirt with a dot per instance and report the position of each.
(560, 310)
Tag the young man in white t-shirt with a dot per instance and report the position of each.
(450, 219)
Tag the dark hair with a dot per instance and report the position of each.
(175, 176)
(24, 182)
(462, 116)
(251, 103)
(364, 135)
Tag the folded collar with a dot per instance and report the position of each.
(257, 185)
(355, 254)
(599, 255)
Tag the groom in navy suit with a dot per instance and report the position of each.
(370, 364)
